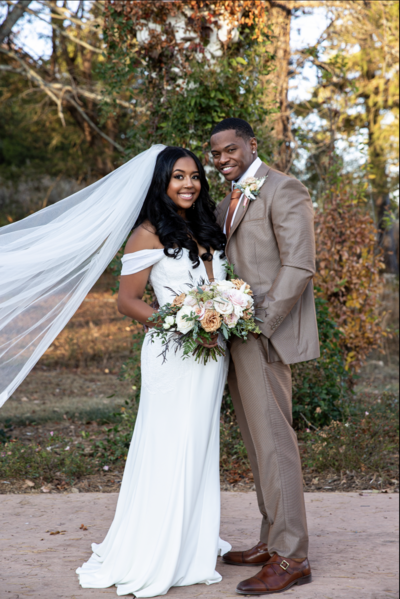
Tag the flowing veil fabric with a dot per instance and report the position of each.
(51, 259)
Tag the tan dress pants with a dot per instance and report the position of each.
(262, 397)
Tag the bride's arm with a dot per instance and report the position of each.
(132, 287)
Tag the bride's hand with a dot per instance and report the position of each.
(209, 344)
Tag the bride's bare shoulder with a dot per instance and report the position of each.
(143, 237)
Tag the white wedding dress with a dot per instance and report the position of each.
(165, 531)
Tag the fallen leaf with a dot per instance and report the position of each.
(29, 483)
(45, 489)
(83, 527)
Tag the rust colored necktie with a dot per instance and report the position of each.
(235, 197)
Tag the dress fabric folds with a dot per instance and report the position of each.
(165, 531)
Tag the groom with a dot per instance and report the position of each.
(270, 241)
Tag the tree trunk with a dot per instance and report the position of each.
(281, 14)
(15, 12)
(380, 188)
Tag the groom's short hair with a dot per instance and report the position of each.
(241, 127)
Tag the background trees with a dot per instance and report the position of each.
(355, 107)
(120, 75)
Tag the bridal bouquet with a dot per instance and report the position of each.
(221, 308)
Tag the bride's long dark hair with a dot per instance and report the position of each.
(174, 232)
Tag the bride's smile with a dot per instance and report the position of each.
(185, 185)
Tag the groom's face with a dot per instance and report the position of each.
(232, 154)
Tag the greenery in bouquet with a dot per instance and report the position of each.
(206, 313)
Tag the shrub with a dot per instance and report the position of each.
(349, 262)
(320, 386)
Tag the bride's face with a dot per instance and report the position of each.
(185, 186)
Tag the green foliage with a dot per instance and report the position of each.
(356, 98)
(58, 456)
(320, 386)
(178, 94)
(368, 440)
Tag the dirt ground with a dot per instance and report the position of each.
(45, 538)
(76, 387)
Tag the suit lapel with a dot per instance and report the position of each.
(262, 172)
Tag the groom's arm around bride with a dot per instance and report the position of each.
(270, 241)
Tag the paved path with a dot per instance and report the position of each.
(353, 545)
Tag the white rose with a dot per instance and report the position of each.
(238, 310)
(250, 301)
(224, 286)
(223, 307)
(169, 322)
(183, 325)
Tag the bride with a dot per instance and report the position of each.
(165, 531)
(166, 528)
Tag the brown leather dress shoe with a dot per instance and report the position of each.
(257, 556)
(280, 574)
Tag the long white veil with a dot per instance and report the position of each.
(51, 259)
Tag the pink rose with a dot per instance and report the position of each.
(238, 298)
(231, 320)
(209, 305)
(190, 301)
(200, 310)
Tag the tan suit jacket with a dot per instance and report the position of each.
(272, 247)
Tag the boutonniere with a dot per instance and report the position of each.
(251, 188)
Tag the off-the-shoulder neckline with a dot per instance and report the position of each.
(131, 254)
(142, 252)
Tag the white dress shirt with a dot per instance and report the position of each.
(251, 171)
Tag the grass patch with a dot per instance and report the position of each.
(367, 441)
(359, 452)
(59, 458)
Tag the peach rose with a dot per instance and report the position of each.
(178, 300)
(211, 321)
(238, 283)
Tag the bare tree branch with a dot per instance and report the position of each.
(67, 14)
(58, 93)
(66, 34)
(60, 88)
(15, 12)
(63, 16)
(93, 126)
